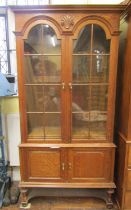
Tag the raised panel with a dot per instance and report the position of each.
(129, 179)
(90, 164)
(85, 166)
(129, 157)
(44, 164)
(127, 205)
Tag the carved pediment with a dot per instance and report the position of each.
(67, 21)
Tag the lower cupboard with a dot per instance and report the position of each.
(68, 165)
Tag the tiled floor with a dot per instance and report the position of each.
(58, 203)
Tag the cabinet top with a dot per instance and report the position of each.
(72, 8)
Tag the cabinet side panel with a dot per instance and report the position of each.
(129, 69)
(124, 79)
(120, 168)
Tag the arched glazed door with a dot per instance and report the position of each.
(42, 77)
(89, 86)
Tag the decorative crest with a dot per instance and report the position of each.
(67, 21)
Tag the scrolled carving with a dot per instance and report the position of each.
(67, 21)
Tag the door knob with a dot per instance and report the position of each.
(63, 85)
(63, 166)
(70, 85)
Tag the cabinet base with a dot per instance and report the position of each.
(104, 194)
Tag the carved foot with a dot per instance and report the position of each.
(24, 197)
(109, 202)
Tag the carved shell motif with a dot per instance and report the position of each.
(67, 21)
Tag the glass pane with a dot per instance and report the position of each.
(50, 43)
(80, 109)
(80, 98)
(81, 68)
(99, 96)
(33, 71)
(100, 68)
(42, 40)
(39, 69)
(83, 42)
(52, 97)
(98, 125)
(33, 44)
(100, 43)
(52, 68)
(80, 125)
(52, 125)
(35, 125)
(98, 112)
(34, 98)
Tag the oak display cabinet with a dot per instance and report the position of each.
(67, 65)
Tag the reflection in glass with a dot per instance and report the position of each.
(89, 124)
(100, 68)
(52, 98)
(98, 128)
(52, 125)
(80, 111)
(33, 44)
(39, 69)
(50, 43)
(35, 125)
(83, 42)
(80, 127)
(99, 96)
(100, 43)
(34, 98)
(98, 112)
(80, 98)
(32, 70)
(42, 40)
(81, 68)
(52, 68)
(89, 111)
(46, 125)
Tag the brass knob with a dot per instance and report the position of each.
(63, 166)
(70, 85)
(63, 85)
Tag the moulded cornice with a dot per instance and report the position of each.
(84, 8)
